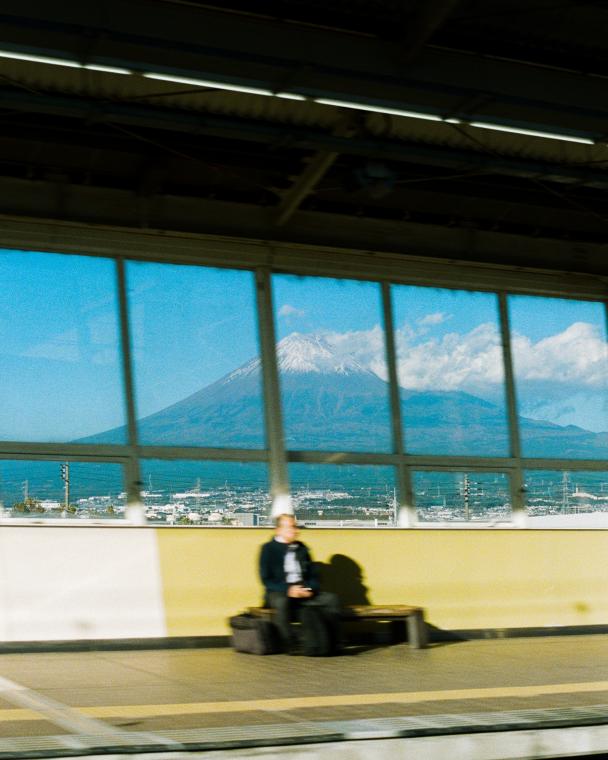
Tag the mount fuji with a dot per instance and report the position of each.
(331, 401)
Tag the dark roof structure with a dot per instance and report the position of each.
(462, 129)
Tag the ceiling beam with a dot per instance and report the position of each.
(107, 206)
(317, 167)
(315, 170)
(91, 112)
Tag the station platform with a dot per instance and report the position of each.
(547, 697)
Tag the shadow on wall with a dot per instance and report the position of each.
(344, 577)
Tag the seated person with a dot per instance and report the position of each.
(291, 582)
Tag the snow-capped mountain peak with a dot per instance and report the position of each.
(300, 353)
(314, 353)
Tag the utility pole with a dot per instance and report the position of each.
(65, 476)
(197, 488)
(565, 499)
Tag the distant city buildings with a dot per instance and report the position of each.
(463, 500)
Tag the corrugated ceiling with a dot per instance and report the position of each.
(38, 77)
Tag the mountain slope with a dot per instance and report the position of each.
(330, 401)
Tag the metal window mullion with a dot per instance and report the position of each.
(199, 453)
(133, 476)
(315, 260)
(576, 465)
(279, 482)
(606, 337)
(404, 477)
(516, 480)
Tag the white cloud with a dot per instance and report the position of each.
(366, 346)
(577, 355)
(562, 378)
(566, 363)
(287, 310)
(470, 361)
(436, 318)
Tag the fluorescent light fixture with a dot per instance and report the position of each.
(532, 132)
(61, 62)
(212, 84)
(378, 109)
(208, 83)
(39, 59)
(433, 117)
(289, 96)
(106, 69)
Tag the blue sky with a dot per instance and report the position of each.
(189, 327)
(58, 346)
(320, 304)
(561, 367)
(539, 317)
(59, 339)
(460, 310)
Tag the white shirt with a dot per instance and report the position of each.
(293, 569)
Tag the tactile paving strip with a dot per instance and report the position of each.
(232, 737)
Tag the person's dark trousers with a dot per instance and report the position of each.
(286, 610)
(283, 612)
(328, 605)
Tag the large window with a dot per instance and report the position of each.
(61, 489)
(195, 355)
(61, 377)
(462, 497)
(206, 493)
(561, 371)
(331, 357)
(138, 385)
(344, 495)
(450, 372)
(566, 498)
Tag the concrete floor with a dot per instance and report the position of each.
(122, 696)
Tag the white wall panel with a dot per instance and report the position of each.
(79, 583)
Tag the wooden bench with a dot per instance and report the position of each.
(414, 617)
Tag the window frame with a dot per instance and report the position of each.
(264, 260)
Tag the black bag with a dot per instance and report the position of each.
(314, 633)
(254, 635)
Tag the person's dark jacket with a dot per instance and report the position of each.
(272, 566)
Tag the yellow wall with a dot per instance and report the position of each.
(463, 578)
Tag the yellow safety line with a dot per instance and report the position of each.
(17, 714)
(291, 703)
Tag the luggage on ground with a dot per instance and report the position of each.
(254, 635)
